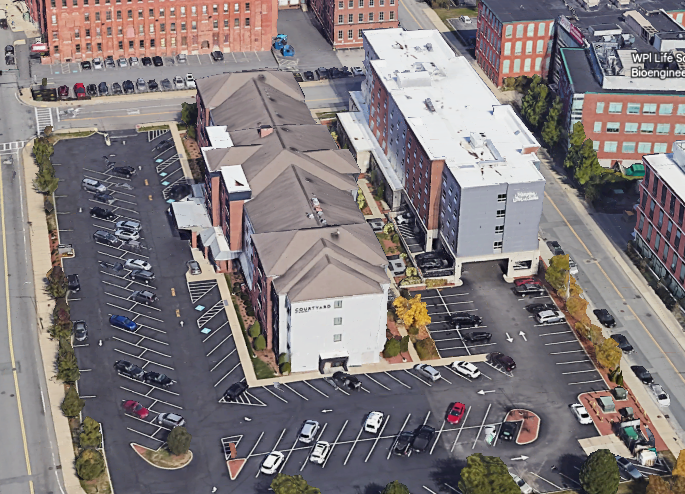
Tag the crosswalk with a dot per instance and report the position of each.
(11, 146)
(43, 118)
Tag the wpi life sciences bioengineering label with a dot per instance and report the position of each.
(657, 57)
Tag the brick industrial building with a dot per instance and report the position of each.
(344, 20)
(522, 37)
(660, 215)
(463, 165)
(84, 29)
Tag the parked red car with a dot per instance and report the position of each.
(456, 413)
(63, 92)
(133, 407)
(80, 91)
(527, 281)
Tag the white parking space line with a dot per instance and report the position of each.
(298, 394)
(441, 296)
(442, 426)
(446, 380)
(429, 490)
(142, 337)
(315, 389)
(481, 426)
(417, 377)
(361, 429)
(573, 362)
(147, 395)
(288, 456)
(143, 434)
(135, 304)
(393, 377)
(267, 389)
(561, 342)
(578, 372)
(463, 423)
(550, 483)
(221, 343)
(381, 385)
(392, 446)
(222, 360)
(568, 351)
(334, 443)
(380, 433)
(456, 373)
(137, 345)
(254, 447)
(586, 382)
(558, 332)
(550, 324)
(138, 314)
(425, 421)
(140, 357)
(150, 385)
(227, 374)
(216, 331)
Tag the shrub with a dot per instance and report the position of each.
(411, 272)
(577, 307)
(72, 404)
(91, 436)
(249, 311)
(57, 283)
(60, 330)
(255, 330)
(389, 228)
(396, 238)
(67, 365)
(413, 330)
(404, 344)
(90, 464)
(285, 368)
(259, 343)
(392, 348)
(282, 358)
(178, 441)
(425, 348)
(619, 378)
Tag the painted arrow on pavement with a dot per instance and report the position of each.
(523, 335)
(509, 338)
(522, 457)
(482, 392)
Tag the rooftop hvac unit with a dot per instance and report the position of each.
(429, 105)
(429, 46)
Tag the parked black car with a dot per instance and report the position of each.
(102, 87)
(152, 85)
(476, 336)
(166, 84)
(86, 65)
(623, 343)
(102, 213)
(403, 444)
(92, 90)
(124, 171)
(73, 283)
(146, 61)
(103, 237)
(157, 379)
(432, 263)
(535, 308)
(605, 317)
(643, 374)
(157, 61)
(465, 320)
(422, 438)
(500, 360)
(217, 56)
(322, 73)
(142, 275)
(104, 197)
(109, 62)
(529, 289)
(348, 381)
(163, 145)
(235, 390)
(309, 76)
(126, 368)
(117, 89)
(555, 248)
(128, 87)
(508, 431)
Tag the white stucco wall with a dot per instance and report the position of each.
(312, 330)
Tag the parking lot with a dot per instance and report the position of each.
(186, 336)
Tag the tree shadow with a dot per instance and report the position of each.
(569, 468)
(447, 471)
(372, 488)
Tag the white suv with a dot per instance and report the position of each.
(428, 372)
(308, 431)
(190, 81)
(320, 452)
(466, 369)
(549, 317)
(373, 422)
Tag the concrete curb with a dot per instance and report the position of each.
(26, 98)
(537, 432)
(133, 446)
(40, 253)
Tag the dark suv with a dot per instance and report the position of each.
(126, 368)
(144, 296)
(73, 283)
(103, 237)
(403, 444)
(476, 336)
(142, 275)
(422, 438)
(347, 380)
(235, 390)
(102, 213)
(500, 360)
(465, 320)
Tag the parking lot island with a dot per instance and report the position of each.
(529, 428)
(162, 459)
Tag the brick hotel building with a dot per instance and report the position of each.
(84, 29)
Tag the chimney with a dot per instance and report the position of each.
(265, 130)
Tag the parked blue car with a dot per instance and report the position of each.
(123, 323)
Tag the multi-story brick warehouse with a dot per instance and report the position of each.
(84, 29)
(344, 20)
(661, 211)
(517, 37)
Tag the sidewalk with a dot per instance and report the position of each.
(370, 201)
(40, 253)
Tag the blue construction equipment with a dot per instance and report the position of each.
(288, 51)
(278, 44)
(282, 37)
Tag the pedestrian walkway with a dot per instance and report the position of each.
(370, 201)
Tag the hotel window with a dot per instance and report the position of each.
(129, 14)
(681, 109)
(392, 14)
(597, 127)
(501, 198)
(628, 147)
(140, 14)
(676, 242)
(508, 31)
(531, 30)
(634, 108)
(350, 34)
(86, 17)
(172, 12)
(173, 27)
(630, 128)
(505, 67)
(541, 29)
(649, 109)
(647, 128)
(215, 9)
(193, 10)
(118, 15)
(661, 219)
(539, 47)
(337, 321)
(644, 147)
(600, 108)
(370, 16)
(340, 19)
(216, 24)
(610, 146)
(193, 25)
(109, 31)
(529, 47)
(337, 338)
(663, 128)
(519, 31)
(162, 27)
(151, 13)
(500, 213)
(359, 33)
(517, 48)
(497, 245)
(613, 127)
(236, 7)
(108, 15)
(517, 65)
(666, 109)
(642, 223)
(660, 147)
(526, 65)
(350, 18)
(204, 9)
(337, 304)
(78, 48)
(649, 233)
(679, 129)
(595, 145)
(664, 256)
(499, 229)
(183, 26)
(507, 48)
(152, 29)
(226, 25)
(340, 35)
(615, 107)
(381, 16)
(236, 22)
(657, 243)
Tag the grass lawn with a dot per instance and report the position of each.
(100, 485)
(163, 458)
(445, 14)
(145, 128)
(262, 369)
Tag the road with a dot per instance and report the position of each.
(28, 458)
(331, 94)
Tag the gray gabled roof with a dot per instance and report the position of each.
(217, 89)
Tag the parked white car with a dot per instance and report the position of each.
(579, 411)
(308, 431)
(428, 371)
(466, 369)
(373, 422)
(357, 71)
(138, 264)
(465, 19)
(129, 225)
(126, 234)
(320, 452)
(661, 396)
(525, 488)
(190, 81)
(272, 462)
(179, 83)
(573, 267)
(97, 63)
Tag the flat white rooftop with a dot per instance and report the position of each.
(445, 102)
(670, 167)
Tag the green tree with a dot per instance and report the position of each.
(67, 365)
(189, 114)
(404, 344)
(392, 348)
(285, 368)
(255, 330)
(259, 343)
(487, 475)
(530, 99)
(551, 130)
(292, 484)
(72, 404)
(540, 106)
(608, 354)
(395, 487)
(575, 141)
(90, 464)
(91, 436)
(587, 167)
(599, 473)
(557, 272)
(178, 440)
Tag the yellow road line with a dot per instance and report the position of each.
(412, 15)
(678, 373)
(9, 336)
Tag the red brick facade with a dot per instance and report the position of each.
(85, 29)
(344, 20)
